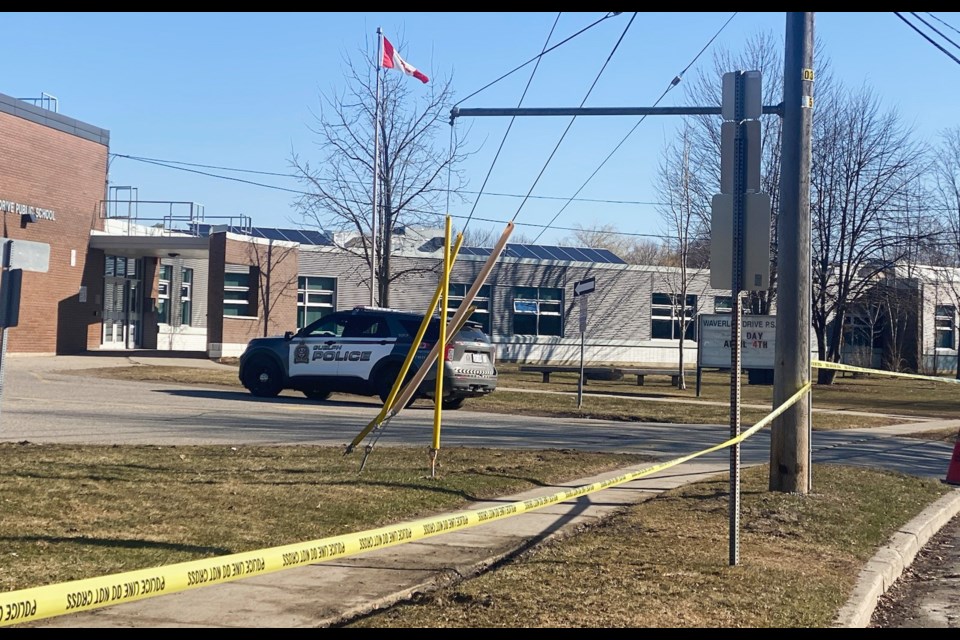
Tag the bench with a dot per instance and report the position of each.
(606, 373)
(589, 373)
(642, 373)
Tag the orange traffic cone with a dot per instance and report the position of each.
(953, 471)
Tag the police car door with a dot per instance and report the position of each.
(313, 351)
(366, 340)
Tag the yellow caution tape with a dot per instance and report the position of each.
(822, 364)
(37, 603)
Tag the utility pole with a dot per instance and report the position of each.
(790, 466)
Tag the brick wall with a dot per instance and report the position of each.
(273, 295)
(41, 166)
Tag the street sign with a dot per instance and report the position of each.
(756, 242)
(752, 104)
(750, 129)
(581, 287)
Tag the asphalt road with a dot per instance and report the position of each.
(40, 403)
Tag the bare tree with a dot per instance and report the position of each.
(273, 290)
(683, 216)
(632, 249)
(946, 197)
(416, 163)
(488, 236)
(863, 163)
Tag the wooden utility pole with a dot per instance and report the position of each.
(790, 467)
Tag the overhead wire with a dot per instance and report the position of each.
(927, 38)
(676, 80)
(168, 164)
(610, 14)
(574, 118)
(946, 24)
(934, 29)
(510, 125)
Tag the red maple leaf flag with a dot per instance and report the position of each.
(392, 60)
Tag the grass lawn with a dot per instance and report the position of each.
(73, 512)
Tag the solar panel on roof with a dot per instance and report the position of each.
(577, 254)
(558, 253)
(594, 255)
(610, 256)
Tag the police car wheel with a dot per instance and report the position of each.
(453, 404)
(385, 384)
(262, 378)
(317, 394)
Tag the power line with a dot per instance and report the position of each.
(213, 175)
(610, 14)
(539, 226)
(676, 80)
(934, 29)
(927, 38)
(942, 22)
(512, 120)
(168, 164)
(205, 166)
(573, 119)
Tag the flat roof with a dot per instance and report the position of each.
(52, 119)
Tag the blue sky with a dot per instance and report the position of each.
(239, 89)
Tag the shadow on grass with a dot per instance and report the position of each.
(119, 542)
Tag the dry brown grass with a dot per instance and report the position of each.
(665, 562)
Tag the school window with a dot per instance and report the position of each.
(316, 297)
(163, 294)
(944, 326)
(722, 304)
(481, 302)
(857, 330)
(668, 316)
(537, 311)
(186, 297)
(238, 291)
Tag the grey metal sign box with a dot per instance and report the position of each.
(26, 255)
(756, 242)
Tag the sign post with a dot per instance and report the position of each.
(17, 256)
(582, 290)
(740, 221)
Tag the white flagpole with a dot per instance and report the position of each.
(376, 176)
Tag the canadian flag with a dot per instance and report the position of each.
(392, 60)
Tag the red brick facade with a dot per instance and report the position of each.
(43, 167)
(273, 302)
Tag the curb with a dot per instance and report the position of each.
(888, 563)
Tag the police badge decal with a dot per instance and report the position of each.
(301, 355)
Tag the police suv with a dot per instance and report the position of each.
(361, 351)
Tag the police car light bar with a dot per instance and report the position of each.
(362, 307)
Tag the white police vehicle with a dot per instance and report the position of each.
(361, 351)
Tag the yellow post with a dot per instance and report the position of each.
(398, 383)
(441, 358)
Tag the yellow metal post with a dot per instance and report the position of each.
(438, 393)
(398, 383)
(459, 318)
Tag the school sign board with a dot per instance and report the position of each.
(758, 336)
